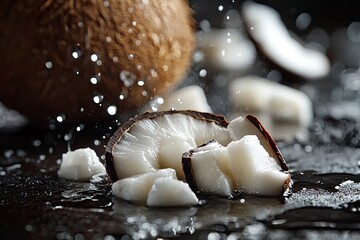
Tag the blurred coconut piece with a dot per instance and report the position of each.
(226, 49)
(10, 118)
(266, 28)
(187, 98)
(80, 165)
(275, 104)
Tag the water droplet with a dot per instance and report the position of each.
(112, 110)
(128, 78)
(202, 73)
(94, 57)
(94, 80)
(106, 3)
(115, 59)
(8, 153)
(141, 83)
(165, 68)
(98, 98)
(80, 127)
(205, 25)
(48, 64)
(134, 23)
(221, 7)
(36, 143)
(153, 73)
(60, 118)
(144, 93)
(97, 142)
(76, 53)
(28, 228)
(121, 97)
(303, 21)
(80, 24)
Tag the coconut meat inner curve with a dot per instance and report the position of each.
(160, 142)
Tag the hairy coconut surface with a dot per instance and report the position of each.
(77, 58)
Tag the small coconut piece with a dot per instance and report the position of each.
(281, 103)
(253, 170)
(226, 49)
(207, 169)
(137, 187)
(267, 29)
(168, 192)
(187, 98)
(157, 140)
(250, 125)
(80, 165)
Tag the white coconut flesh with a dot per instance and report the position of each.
(156, 143)
(188, 98)
(80, 165)
(267, 29)
(168, 192)
(211, 171)
(253, 170)
(241, 126)
(263, 96)
(243, 166)
(136, 188)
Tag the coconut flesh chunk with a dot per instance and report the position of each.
(168, 192)
(80, 165)
(226, 49)
(265, 26)
(209, 167)
(187, 98)
(242, 126)
(280, 102)
(136, 188)
(253, 170)
(243, 166)
(157, 140)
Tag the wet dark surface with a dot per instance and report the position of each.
(325, 167)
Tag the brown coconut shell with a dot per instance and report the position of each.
(47, 47)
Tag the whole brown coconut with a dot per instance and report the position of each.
(78, 58)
